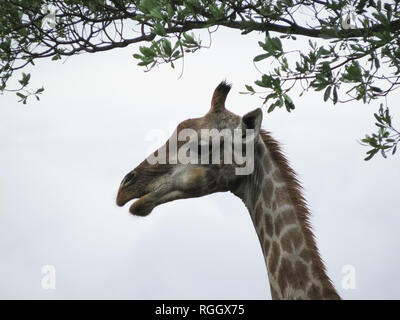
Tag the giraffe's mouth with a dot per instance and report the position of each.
(142, 206)
(145, 202)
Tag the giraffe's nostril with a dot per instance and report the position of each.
(128, 178)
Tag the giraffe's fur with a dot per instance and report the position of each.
(271, 193)
(281, 219)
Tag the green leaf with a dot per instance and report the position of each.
(167, 47)
(262, 57)
(289, 105)
(371, 153)
(156, 13)
(148, 5)
(327, 93)
(249, 88)
(170, 11)
(287, 98)
(57, 56)
(147, 51)
(277, 44)
(271, 108)
(189, 38)
(335, 95)
(40, 90)
(261, 84)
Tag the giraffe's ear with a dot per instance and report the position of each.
(252, 121)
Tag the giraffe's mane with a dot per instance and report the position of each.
(295, 193)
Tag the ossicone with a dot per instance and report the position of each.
(219, 96)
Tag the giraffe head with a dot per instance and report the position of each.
(179, 177)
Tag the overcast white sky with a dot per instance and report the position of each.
(62, 160)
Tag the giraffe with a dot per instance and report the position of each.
(271, 193)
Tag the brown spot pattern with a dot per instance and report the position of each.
(267, 164)
(292, 240)
(305, 255)
(314, 292)
(258, 214)
(295, 277)
(268, 192)
(274, 294)
(289, 216)
(274, 258)
(278, 225)
(317, 272)
(301, 274)
(281, 196)
(286, 243)
(266, 246)
(261, 235)
(285, 275)
(329, 293)
(277, 176)
(269, 226)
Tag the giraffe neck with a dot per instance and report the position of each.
(280, 217)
